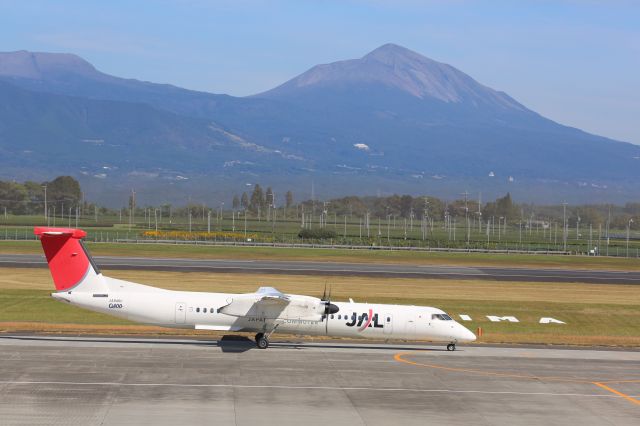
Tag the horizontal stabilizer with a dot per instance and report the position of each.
(47, 230)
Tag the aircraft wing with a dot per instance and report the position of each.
(271, 295)
(269, 303)
(265, 303)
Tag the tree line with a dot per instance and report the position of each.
(29, 197)
(65, 191)
(260, 200)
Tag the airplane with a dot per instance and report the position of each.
(78, 281)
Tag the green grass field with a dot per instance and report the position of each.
(340, 255)
(348, 230)
(594, 314)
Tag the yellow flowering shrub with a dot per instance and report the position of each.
(200, 236)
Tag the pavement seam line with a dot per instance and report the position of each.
(205, 385)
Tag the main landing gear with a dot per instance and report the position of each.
(262, 341)
(451, 347)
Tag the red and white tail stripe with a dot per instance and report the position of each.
(69, 261)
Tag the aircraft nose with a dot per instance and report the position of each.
(464, 335)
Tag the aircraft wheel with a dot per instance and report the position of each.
(262, 342)
(451, 347)
(258, 337)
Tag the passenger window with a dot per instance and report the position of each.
(331, 316)
(197, 309)
(213, 311)
(204, 310)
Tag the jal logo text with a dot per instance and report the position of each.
(364, 320)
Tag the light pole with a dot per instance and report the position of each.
(221, 215)
(628, 229)
(388, 235)
(564, 225)
(520, 238)
(45, 202)
(466, 214)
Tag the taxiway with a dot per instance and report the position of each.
(343, 269)
(119, 381)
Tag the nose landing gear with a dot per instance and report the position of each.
(451, 347)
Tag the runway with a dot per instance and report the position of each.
(343, 269)
(118, 381)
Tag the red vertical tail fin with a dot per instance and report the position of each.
(69, 262)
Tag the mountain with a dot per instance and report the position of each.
(70, 75)
(43, 133)
(392, 120)
(416, 114)
(398, 69)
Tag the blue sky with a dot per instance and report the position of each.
(577, 62)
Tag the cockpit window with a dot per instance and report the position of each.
(442, 317)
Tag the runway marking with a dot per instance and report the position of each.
(336, 388)
(620, 394)
(399, 357)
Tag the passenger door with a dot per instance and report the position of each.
(388, 324)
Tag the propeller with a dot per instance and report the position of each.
(329, 308)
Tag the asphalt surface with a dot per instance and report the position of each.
(344, 269)
(120, 381)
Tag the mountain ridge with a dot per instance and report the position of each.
(391, 116)
(400, 68)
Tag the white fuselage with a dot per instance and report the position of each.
(183, 309)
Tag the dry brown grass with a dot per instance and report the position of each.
(359, 288)
(595, 314)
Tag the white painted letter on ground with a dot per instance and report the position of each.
(464, 317)
(549, 320)
(494, 318)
